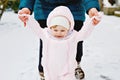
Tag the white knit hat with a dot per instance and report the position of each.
(60, 20)
(62, 11)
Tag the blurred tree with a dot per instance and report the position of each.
(13, 4)
(3, 4)
(101, 4)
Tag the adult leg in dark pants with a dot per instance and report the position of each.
(79, 73)
(40, 68)
(77, 27)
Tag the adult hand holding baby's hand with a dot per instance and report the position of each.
(93, 12)
(21, 15)
(97, 19)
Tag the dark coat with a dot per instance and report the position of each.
(42, 8)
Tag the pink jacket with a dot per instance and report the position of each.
(59, 55)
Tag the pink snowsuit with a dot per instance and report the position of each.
(59, 55)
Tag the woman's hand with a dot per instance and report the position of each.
(94, 12)
(23, 18)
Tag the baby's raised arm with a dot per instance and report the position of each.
(88, 27)
(34, 25)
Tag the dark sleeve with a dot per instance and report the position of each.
(27, 4)
(91, 4)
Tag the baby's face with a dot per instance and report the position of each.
(59, 31)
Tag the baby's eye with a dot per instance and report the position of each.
(62, 30)
(55, 30)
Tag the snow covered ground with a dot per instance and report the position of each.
(19, 50)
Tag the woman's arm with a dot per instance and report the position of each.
(27, 4)
(25, 7)
(89, 4)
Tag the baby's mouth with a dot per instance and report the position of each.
(59, 36)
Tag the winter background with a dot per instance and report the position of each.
(19, 50)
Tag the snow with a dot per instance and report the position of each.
(19, 50)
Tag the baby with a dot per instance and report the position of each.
(60, 42)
